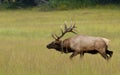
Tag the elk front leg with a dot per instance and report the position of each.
(81, 54)
(74, 54)
(104, 55)
(110, 53)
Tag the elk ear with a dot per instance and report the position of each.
(58, 42)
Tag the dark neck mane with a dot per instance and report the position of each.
(64, 49)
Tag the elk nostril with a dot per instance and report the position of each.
(47, 46)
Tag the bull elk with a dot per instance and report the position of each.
(80, 44)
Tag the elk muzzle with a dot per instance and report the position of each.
(50, 46)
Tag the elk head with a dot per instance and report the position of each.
(57, 43)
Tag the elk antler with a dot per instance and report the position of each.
(66, 29)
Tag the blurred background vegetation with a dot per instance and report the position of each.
(56, 4)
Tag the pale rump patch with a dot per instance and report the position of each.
(107, 41)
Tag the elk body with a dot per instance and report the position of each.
(80, 44)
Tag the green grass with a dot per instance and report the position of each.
(24, 35)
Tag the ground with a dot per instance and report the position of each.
(24, 35)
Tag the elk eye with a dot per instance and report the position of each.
(53, 43)
(56, 44)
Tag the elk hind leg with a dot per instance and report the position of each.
(109, 52)
(104, 55)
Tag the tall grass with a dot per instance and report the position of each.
(24, 35)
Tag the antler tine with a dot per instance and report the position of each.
(74, 32)
(62, 31)
(66, 29)
(55, 36)
(65, 26)
(71, 28)
(74, 26)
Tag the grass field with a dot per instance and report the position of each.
(24, 35)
